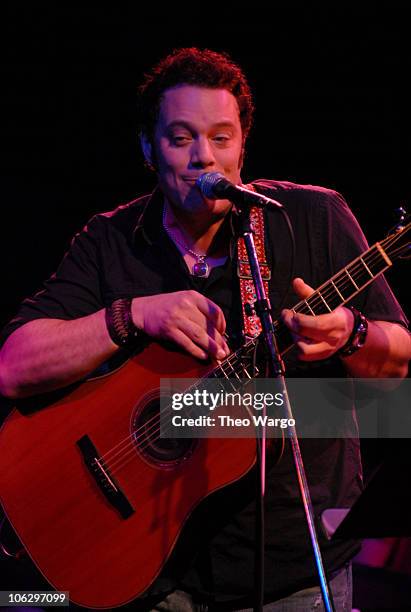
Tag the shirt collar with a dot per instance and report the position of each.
(150, 220)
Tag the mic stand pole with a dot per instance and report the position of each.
(277, 371)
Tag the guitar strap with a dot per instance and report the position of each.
(251, 322)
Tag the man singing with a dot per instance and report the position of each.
(164, 267)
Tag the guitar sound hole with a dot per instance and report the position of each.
(163, 451)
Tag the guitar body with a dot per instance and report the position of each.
(76, 537)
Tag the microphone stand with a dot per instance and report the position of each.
(277, 370)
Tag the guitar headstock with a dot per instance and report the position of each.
(403, 217)
(397, 243)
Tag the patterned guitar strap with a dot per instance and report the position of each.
(251, 322)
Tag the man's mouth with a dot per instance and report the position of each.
(190, 179)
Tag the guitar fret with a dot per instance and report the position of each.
(244, 369)
(222, 370)
(316, 307)
(376, 259)
(324, 301)
(234, 385)
(304, 308)
(309, 308)
(342, 288)
(383, 254)
(351, 279)
(337, 290)
(366, 267)
(233, 369)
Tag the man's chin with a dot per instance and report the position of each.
(220, 208)
(198, 204)
(217, 209)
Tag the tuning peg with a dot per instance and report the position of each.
(401, 215)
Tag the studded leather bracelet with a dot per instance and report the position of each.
(358, 335)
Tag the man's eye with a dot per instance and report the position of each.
(221, 138)
(181, 140)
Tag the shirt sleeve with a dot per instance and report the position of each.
(346, 241)
(73, 291)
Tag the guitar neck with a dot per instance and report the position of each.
(339, 290)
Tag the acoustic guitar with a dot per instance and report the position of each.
(97, 498)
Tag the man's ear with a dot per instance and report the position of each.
(147, 149)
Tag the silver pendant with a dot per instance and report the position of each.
(200, 268)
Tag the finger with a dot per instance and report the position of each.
(220, 339)
(293, 321)
(301, 288)
(212, 343)
(313, 351)
(198, 309)
(309, 348)
(316, 328)
(188, 345)
(202, 330)
(212, 311)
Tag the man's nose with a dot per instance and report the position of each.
(201, 153)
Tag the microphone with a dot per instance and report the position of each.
(215, 186)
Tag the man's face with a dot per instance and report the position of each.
(198, 131)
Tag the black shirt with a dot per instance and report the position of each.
(127, 253)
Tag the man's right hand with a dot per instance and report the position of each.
(185, 317)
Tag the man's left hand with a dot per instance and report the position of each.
(318, 337)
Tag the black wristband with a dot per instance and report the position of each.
(358, 335)
(120, 323)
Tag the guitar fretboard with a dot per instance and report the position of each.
(340, 289)
(346, 283)
(242, 365)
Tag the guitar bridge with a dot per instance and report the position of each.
(105, 482)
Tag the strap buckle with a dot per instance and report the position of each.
(244, 270)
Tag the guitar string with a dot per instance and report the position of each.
(132, 438)
(148, 434)
(391, 239)
(354, 265)
(143, 441)
(155, 419)
(106, 455)
(130, 453)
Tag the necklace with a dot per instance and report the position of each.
(201, 267)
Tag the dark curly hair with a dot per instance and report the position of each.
(192, 66)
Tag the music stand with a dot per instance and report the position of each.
(382, 510)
